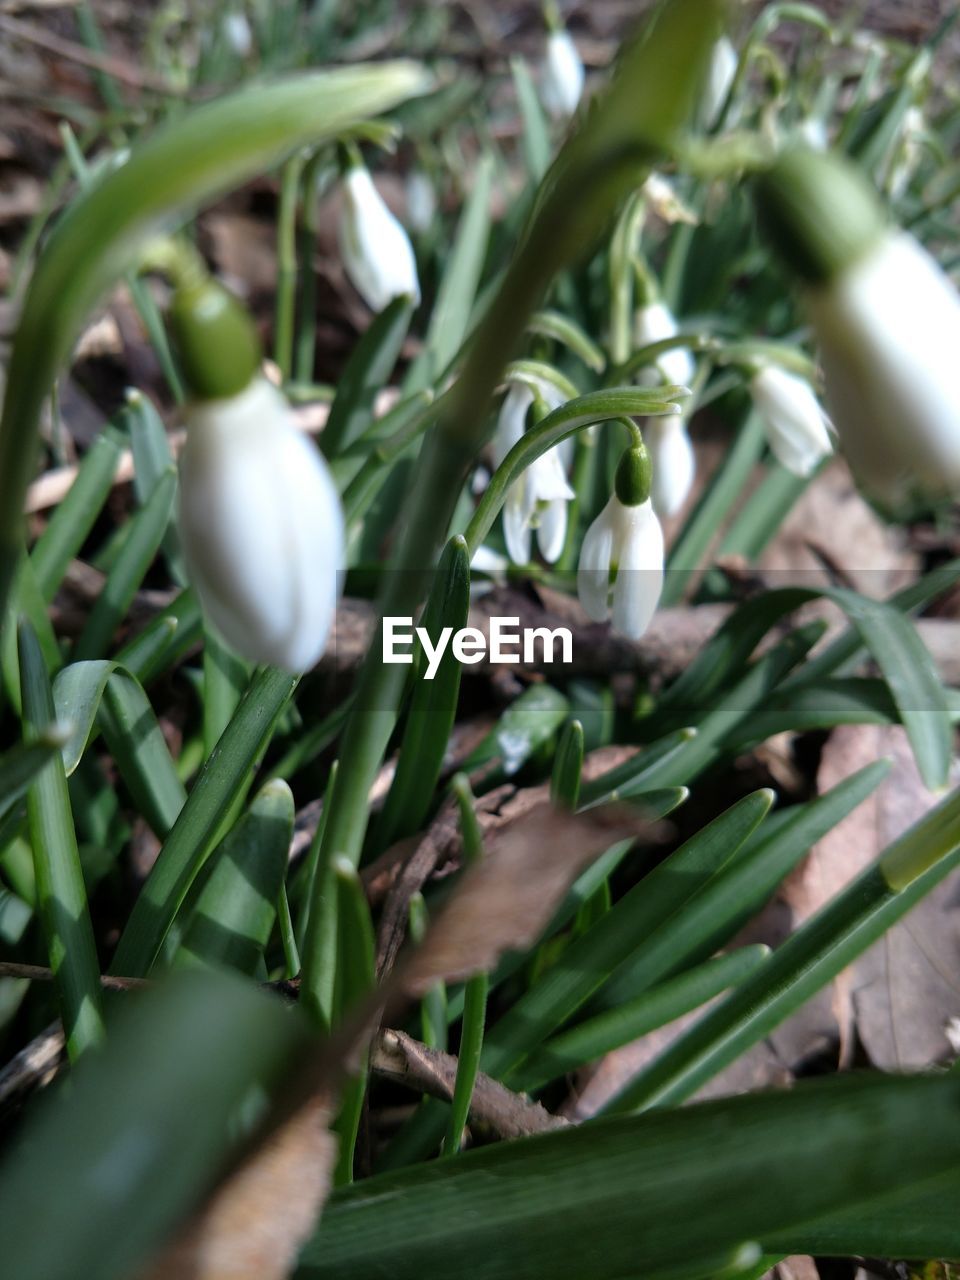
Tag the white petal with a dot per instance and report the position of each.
(639, 581)
(516, 524)
(723, 67)
(547, 479)
(562, 81)
(653, 323)
(421, 201)
(889, 334)
(262, 527)
(794, 422)
(673, 463)
(593, 571)
(376, 250)
(511, 421)
(552, 530)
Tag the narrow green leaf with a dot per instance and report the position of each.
(450, 318)
(525, 725)
(806, 962)
(236, 909)
(689, 551)
(593, 1038)
(567, 766)
(144, 536)
(719, 907)
(22, 762)
(152, 458)
(355, 979)
(583, 967)
(475, 990)
(536, 132)
(224, 680)
(90, 693)
(433, 705)
(657, 1190)
(365, 375)
(188, 843)
(74, 517)
(62, 898)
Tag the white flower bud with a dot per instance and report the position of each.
(889, 333)
(621, 567)
(795, 424)
(262, 527)
(673, 462)
(562, 81)
(538, 498)
(723, 68)
(653, 323)
(376, 250)
(421, 201)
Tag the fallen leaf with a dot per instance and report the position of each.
(902, 992)
(255, 1224)
(506, 900)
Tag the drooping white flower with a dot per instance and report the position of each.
(376, 250)
(795, 424)
(888, 328)
(653, 322)
(538, 498)
(673, 462)
(262, 527)
(813, 133)
(562, 78)
(723, 68)
(620, 574)
(236, 30)
(421, 200)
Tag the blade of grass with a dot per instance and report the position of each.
(62, 898)
(188, 843)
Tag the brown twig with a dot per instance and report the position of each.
(399, 1057)
(117, 68)
(40, 973)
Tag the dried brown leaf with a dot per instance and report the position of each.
(505, 901)
(900, 994)
(256, 1222)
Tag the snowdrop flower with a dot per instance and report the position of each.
(421, 201)
(655, 321)
(236, 30)
(562, 81)
(795, 424)
(376, 250)
(259, 516)
(887, 321)
(538, 498)
(673, 463)
(620, 574)
(723, 68)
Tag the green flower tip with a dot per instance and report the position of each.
(819, 212)
(216, 340)
(634, 474)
